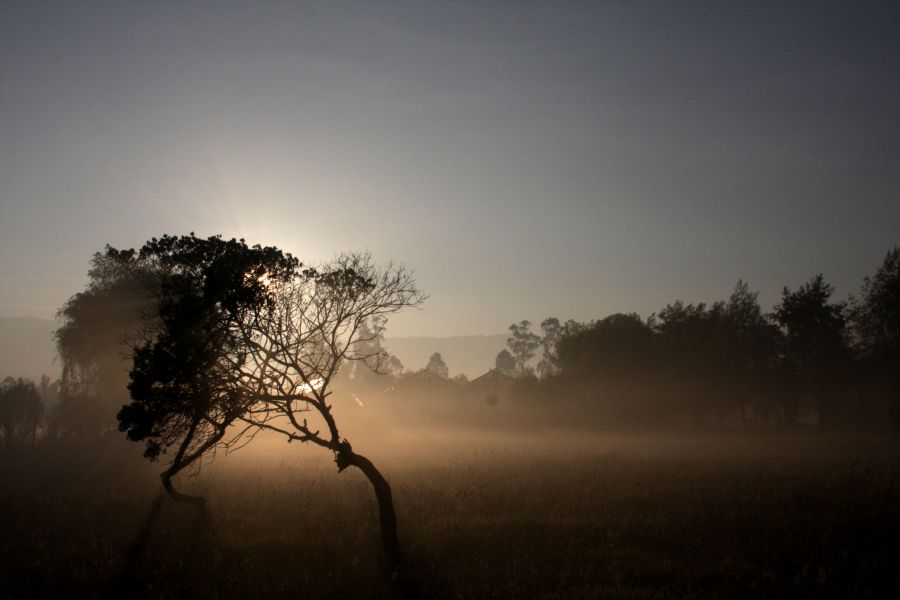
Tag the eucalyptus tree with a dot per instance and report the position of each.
(553, 330)
(522, 343)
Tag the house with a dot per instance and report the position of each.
(427, 383)
(491, 388)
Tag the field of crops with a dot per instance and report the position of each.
(501, 515)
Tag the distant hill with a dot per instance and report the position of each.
(469, 354)
(27, 348)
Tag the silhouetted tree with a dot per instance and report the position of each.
(616, 347)
(612, 361)
(437, 366)
(876, 322)
(460, 379)
(749, 352)
(49, 390)
(186, 381)
(381, 369)
(505, 363)
(20, 411)
(299, 346)
(552, 330)
(99, 326)
(816, 347)
(522, 345)
(691, 340)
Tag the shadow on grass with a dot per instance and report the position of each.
(129, 581)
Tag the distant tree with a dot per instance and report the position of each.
(749, 353)
(613, 359)
(552, 330)
(691, 341)
(505, 363)
(460, 379)
(876, 323)
(371, 373)
(522, 345)
(816, 348)
(99, 326)
(49, 391)
(20, 411)
(616, 347)
(437, 366)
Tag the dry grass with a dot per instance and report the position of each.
(547, 515)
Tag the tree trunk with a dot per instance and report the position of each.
(183, 461)
(177, 496)
(386, 515)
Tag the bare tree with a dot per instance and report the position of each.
(296, 350)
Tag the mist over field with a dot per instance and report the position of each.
(445, 299)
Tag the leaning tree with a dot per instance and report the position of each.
(245, 340)
(186, 384)
(322, 319)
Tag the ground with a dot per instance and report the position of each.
(481, 515)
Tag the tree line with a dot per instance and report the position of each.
(811, 359)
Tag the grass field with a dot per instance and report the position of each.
(503, 515)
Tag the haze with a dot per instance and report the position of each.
(574, 159)
(597, 299)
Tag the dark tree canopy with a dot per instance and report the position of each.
(615, 347)
(20, 411)
(815, 344)
(99, 326)
(505, 363)
(241, 335)
(185, 385)
(437, 366)
(876, 314)
(876, 321)
(522, 344)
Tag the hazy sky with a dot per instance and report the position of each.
(525, 159)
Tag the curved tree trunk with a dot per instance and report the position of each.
(166, 477)
(386, 515)
(183, 460)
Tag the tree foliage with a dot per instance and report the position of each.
(185, 384)
(876, 315)
(522, 344)
(505, 363)
(297, 348)
(21, 410)
(437, 366)
(99, 326)
(876, 322)
(552, 330)
(243, 335)
(815, 347)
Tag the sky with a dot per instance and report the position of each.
(524, 159)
